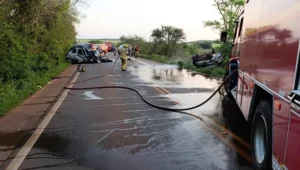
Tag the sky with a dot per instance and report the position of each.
(114, 18)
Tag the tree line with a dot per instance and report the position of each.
(34, 37)
(167, 41)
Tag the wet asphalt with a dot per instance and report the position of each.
(115, 129)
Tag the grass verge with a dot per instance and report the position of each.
(217, 72)
(12, 93)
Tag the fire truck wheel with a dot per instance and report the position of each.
(261, 137)
(226, 103)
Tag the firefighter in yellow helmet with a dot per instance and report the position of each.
(123, 55)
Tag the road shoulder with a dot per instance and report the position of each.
(20, 122)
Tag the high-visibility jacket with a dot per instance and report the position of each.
(123, 53)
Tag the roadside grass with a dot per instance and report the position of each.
(216, 45)
(12, 93)
(186, 63)
(115, 41)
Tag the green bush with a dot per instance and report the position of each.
(180, 64)
(32, 47)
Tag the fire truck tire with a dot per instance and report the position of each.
(226, 103)
(261, 137)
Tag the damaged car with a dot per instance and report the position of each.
(80, 54)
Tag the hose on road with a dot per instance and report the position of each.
(141, 96)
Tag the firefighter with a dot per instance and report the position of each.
(123, 55)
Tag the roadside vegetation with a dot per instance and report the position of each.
(167, 44)
(98, 41)
(34, 36)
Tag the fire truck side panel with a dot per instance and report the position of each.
(269, 51)
(249, 36)
(273, 45)
(246, 96)
(280, 128)
(293, 146)
(277, 40)
(247, 53)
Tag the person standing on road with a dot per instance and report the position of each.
(95, 54)
(137, 51)
(114, 48)
(100, 52)
(129, 50)
(123, 56)
(133, 50)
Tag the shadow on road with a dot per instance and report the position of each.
(234, 119)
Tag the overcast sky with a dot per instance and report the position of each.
(113, 18)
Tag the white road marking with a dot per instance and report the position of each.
(17, 161)
(110, 75)
(108, 105)
(128, 111)
(90, 96)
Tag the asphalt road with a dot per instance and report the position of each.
(114, 129)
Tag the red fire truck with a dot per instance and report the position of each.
(267, 83)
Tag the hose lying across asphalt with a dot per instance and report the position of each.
(142, 97)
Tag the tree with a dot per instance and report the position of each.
(34, 36)
(192, 48)
(135, 40)
(229, 11)
(166, 39)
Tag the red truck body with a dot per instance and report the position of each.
(267, 44)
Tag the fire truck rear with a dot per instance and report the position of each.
(266, 85)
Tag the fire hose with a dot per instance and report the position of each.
(140, 95)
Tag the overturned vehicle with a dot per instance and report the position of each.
(209, 59)
(80, 54)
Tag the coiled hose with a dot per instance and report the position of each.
(141, 96)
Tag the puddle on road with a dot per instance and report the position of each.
(211, 113)
(171, 76)
(192, 99)
(199, 88)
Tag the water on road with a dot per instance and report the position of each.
(115, 129)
